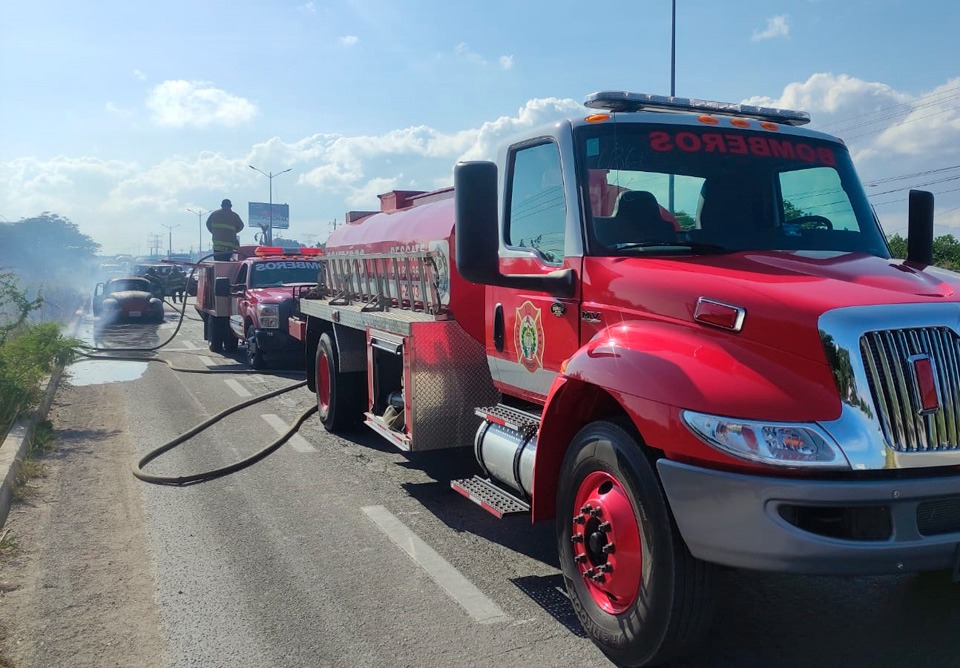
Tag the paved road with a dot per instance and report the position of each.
(344, 552)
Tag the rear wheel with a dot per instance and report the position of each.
(638, 592)
(214, 334)
(339, 395)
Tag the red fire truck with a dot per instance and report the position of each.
(673, 327)
(247, 298)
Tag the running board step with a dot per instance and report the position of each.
(491, 498)
(519, 421)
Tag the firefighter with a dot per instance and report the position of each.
(177, 284)
(224, 224)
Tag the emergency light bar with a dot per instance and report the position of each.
(267, 251)
(618, 100)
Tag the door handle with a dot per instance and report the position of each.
(498, 327)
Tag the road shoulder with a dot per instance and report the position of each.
(80, 589)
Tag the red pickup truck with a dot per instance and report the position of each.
(246, 300)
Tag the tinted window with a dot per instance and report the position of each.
(538, 211)
(282, 272)
(670, 188)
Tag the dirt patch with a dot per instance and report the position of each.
(78, 590)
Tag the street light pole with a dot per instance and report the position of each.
(199, 213)
(169, 237)
(270, 176)
(673, 88)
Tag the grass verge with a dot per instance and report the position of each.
(31, 465)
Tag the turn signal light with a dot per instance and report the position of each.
(719, 314)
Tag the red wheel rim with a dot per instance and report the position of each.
(323, 382)
(607, 547)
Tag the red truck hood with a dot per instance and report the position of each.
(783, 292)
(275, 295)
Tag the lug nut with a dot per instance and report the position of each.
(589, 573)
(580, 558)
(586, 508)
(598, 577)
(609, 548)
(604, 526)
(606, 568)
(579, 519)
(576, 538)
(595, 511)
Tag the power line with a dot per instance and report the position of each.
(909, 103)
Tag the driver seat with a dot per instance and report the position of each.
(636, 217)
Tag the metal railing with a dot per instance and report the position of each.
(381, 281)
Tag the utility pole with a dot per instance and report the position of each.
(270, 176)
(673, 85)
(154, 244)
(169, 238)
(199, 213)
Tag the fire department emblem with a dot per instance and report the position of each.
(528, 335)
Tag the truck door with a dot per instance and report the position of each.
(529, 333)
(241, 304)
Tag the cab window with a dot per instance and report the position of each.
(538, 210)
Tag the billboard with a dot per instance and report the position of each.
(259, 215)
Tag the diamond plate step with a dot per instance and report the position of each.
(522, 422)
(491, 498)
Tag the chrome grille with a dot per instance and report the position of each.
(894, 387)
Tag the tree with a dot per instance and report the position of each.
(44, 245)
(946, 250)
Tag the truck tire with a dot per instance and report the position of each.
(638, 592)
(230, 342)
(254, 354)
(215, 334)
(339, 395)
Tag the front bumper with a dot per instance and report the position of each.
(741, 520)
(278, 342)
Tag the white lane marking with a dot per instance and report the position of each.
(207, 361)
(237, 387)
(459, 588)
(299, 443)
(190, 344)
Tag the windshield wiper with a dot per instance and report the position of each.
(695, 247)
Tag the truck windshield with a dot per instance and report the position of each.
(681, 189)
(268, 273)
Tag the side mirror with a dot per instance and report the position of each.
(221, 286)
(920, 228)
(478, 235)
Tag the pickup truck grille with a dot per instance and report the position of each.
(894, 387)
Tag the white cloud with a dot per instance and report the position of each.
(778, 26)
(307, 8)
(506, 62)
(140, 75)
(464, 52)
(181, 104)
(349, 40)
(118, 111)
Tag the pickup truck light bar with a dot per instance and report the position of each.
(268, 251)
(618, 100)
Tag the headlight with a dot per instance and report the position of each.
(779, 443)
(109, 303)
(268, 315)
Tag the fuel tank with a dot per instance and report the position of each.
(410, 222)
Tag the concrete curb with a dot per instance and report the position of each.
(15, 446)
(17, 442)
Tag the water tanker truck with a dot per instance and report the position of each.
(674, 328)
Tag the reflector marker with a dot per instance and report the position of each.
(718, 314)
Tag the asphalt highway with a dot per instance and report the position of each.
(343, 551)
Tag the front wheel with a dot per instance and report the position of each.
(339, 395)
(638, 592)
(254, 353)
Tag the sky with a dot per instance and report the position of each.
(124, 116)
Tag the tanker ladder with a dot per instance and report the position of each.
(384, 280)
(504, 446)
